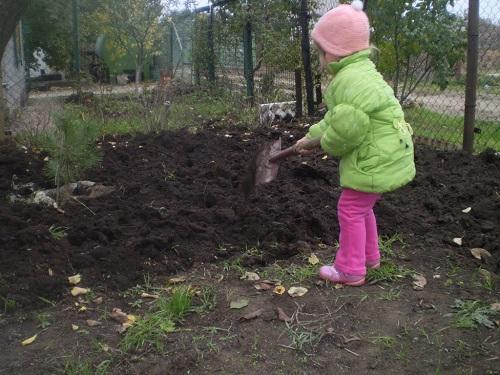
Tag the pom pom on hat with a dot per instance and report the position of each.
(343, 30)
(357, 4)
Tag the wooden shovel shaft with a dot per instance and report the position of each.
(283, 154)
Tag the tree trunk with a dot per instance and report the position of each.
(10, 14)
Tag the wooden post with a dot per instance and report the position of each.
(306, 56)
(471, 84)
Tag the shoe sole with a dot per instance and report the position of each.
(350, 283)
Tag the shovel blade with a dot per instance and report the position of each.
(266, 171)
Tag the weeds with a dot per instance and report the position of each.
(301, 339)
(208, 298)
(9, 304)
(471, 314)
(388, 272)
(385, 341)
(44, 320)
(386, 244)
(292, 274)
(151, 329)
(58, 233)
(392, 294)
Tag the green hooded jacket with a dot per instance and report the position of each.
(365, 127)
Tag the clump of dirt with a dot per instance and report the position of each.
(178, 201)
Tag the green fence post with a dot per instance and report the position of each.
(76, 42)
(211, 52)
(248, 60)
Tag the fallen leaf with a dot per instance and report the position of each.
(279, 289)
(74, 280)
(313, 259)
(147, 295)
(252, 315)
(74, 327)
(131, 319)
(177, 280)
(495, 306)
(325, 157)
(282, 315)
(93, 323)
(457, 241)
(467, 210)
(51, 273)
(339, 286)
(76, 291)
(252, 276)
(297, 291)
(436, 276)
(479, 253)
(82, 309)
(419, 282)
(119, 315)
(239, 303)
(263, 285)
(98, 301)
(29, 341)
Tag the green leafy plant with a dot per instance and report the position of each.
(471, 314)
(388, 272)
(71, 146)
(58, 233)
(44, 320)
(152, 328)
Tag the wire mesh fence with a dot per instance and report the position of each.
(255, 51)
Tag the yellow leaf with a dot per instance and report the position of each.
(131, 319)
(73, 280)
(313, 259)
(177, 280)
(297, 291)
(29, 341)
(279, 289)
(76, 291)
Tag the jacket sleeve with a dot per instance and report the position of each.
(343, 128)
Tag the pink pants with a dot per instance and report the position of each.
(358, 232)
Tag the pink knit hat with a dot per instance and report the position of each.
(343, 30)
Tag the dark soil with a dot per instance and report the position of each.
(178, 205)
(179, 199)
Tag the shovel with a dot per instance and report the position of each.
(264, 167)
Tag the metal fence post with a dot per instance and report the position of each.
(306, 56)
(298, 93)
(211, 51)
(471, 84)
(248, 60)
(76, 37)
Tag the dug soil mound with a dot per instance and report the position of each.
(178, 200)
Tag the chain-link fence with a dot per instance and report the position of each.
(13, 74)
(255, 49)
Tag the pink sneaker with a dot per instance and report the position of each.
(373, 264)
(329, 273)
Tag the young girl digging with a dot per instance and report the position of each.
(365, 127)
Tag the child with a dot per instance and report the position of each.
(365, 127)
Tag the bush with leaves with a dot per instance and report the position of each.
(71, 146)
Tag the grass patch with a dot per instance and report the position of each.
(434, 125)
(388, 272)
(472, 314)
(392, 294)
(151, 329)
(302, 339)
(58, 233)
(384, 341)
(208, 298)
(291, 274)
(386, 244)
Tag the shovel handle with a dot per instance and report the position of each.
(284, 154)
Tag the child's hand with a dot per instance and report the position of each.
(306, 146)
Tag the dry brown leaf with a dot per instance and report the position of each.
(282, 315)
(77, 291)
(419, 282)
(264, 285)
(252, 276)
(119, 315)
(239, 303)
(74, 280)
(29, 341)
(339, 286)
(458, 241)
(147, 295)
(479, 253)
(93, 323)
(297, 291)
(177, 280)
(252, 315)
(74, 327)
(279, 289)
(313, 259)
(98, 301)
